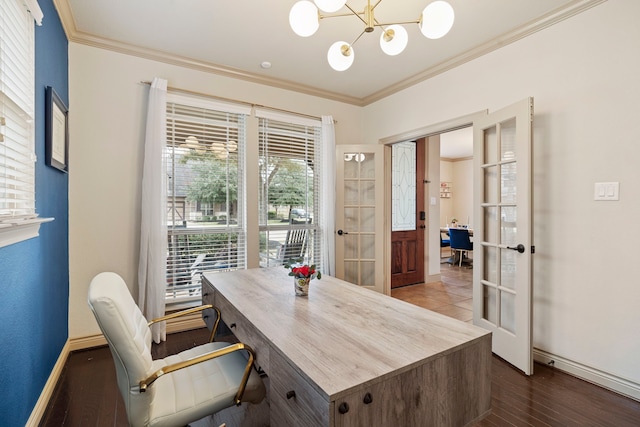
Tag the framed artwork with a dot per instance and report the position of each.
(56, 131)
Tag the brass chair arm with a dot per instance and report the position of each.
(202, 358)
(191, 311)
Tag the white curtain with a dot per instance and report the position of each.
(152, 280)
(328, 197)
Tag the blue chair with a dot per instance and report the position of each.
(444, 243)
(460, 242)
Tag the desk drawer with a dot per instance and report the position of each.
(306, 408)
(244, 331)
(208, 297)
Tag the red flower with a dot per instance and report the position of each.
(304, 271)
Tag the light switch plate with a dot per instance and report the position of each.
(606, 191)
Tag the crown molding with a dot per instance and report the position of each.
(74, 35)
(551, 18)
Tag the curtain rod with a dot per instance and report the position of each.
(221, 98)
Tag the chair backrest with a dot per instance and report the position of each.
(295, 245)
(459, 239)
(129, 337)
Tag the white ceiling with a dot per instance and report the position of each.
(457, 144)
(233, 37)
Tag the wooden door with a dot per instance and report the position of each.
(502, 239)
(360, 178)
(408, 213)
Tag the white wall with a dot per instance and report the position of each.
(459, 173)
(107, 114)
(584, 75)
(463, 195)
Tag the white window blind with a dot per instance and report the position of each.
(290, 168)
(206, 215)
(17, 194)
(18, 220)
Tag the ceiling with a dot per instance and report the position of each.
(233, 37)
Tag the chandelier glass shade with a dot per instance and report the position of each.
(435, 22)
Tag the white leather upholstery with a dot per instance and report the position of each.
(177, 398)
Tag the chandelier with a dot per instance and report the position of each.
(436, 21)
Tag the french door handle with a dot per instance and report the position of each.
(340, 232)
(519, 248)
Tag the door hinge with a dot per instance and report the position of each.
(533, 249)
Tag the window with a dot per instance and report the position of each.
(17, 157)
(206, 155)
(205, 201)
(289, 180)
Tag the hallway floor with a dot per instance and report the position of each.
(452, 296)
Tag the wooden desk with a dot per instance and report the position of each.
(353, 357)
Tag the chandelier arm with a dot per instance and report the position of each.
(396, 23)
(376, 5)
(337, 15)
(357, 38)
(356, 13)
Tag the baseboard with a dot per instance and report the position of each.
(595, 376)
(433, 278)
(43, 401)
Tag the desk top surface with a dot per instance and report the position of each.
(340, 335)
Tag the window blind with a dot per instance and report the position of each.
(204, 157)
(290, 168)
(17, 158)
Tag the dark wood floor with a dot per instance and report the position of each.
(86, 394)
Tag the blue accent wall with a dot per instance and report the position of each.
(34, 274)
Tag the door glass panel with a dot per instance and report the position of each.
(508, 268)
(489, 310)
(508, 225)
(351, 168)
(351, 219)
(490, 225)
(490, 264)
(367, 165)
(508, 183)
(491, 184)
(350, 246)
(507, 311)
(367, 245)
(351, 195)
(490, 146)
(508, 139)
(367, 193)
(368, 273)
(367, 219)
(351, 271)
(403, 186)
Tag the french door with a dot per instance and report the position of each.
(360, 215)
(502, 252)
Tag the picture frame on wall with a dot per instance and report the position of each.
(56, 131)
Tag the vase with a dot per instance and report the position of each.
(301, 285)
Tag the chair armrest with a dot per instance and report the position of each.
(191, 311)
(203, 358)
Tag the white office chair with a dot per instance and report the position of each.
(178, 389)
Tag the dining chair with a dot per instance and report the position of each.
(178, 389)
(445, 243)
(460, 243)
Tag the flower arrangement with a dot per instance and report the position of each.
(303, 271)
(302, 275)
